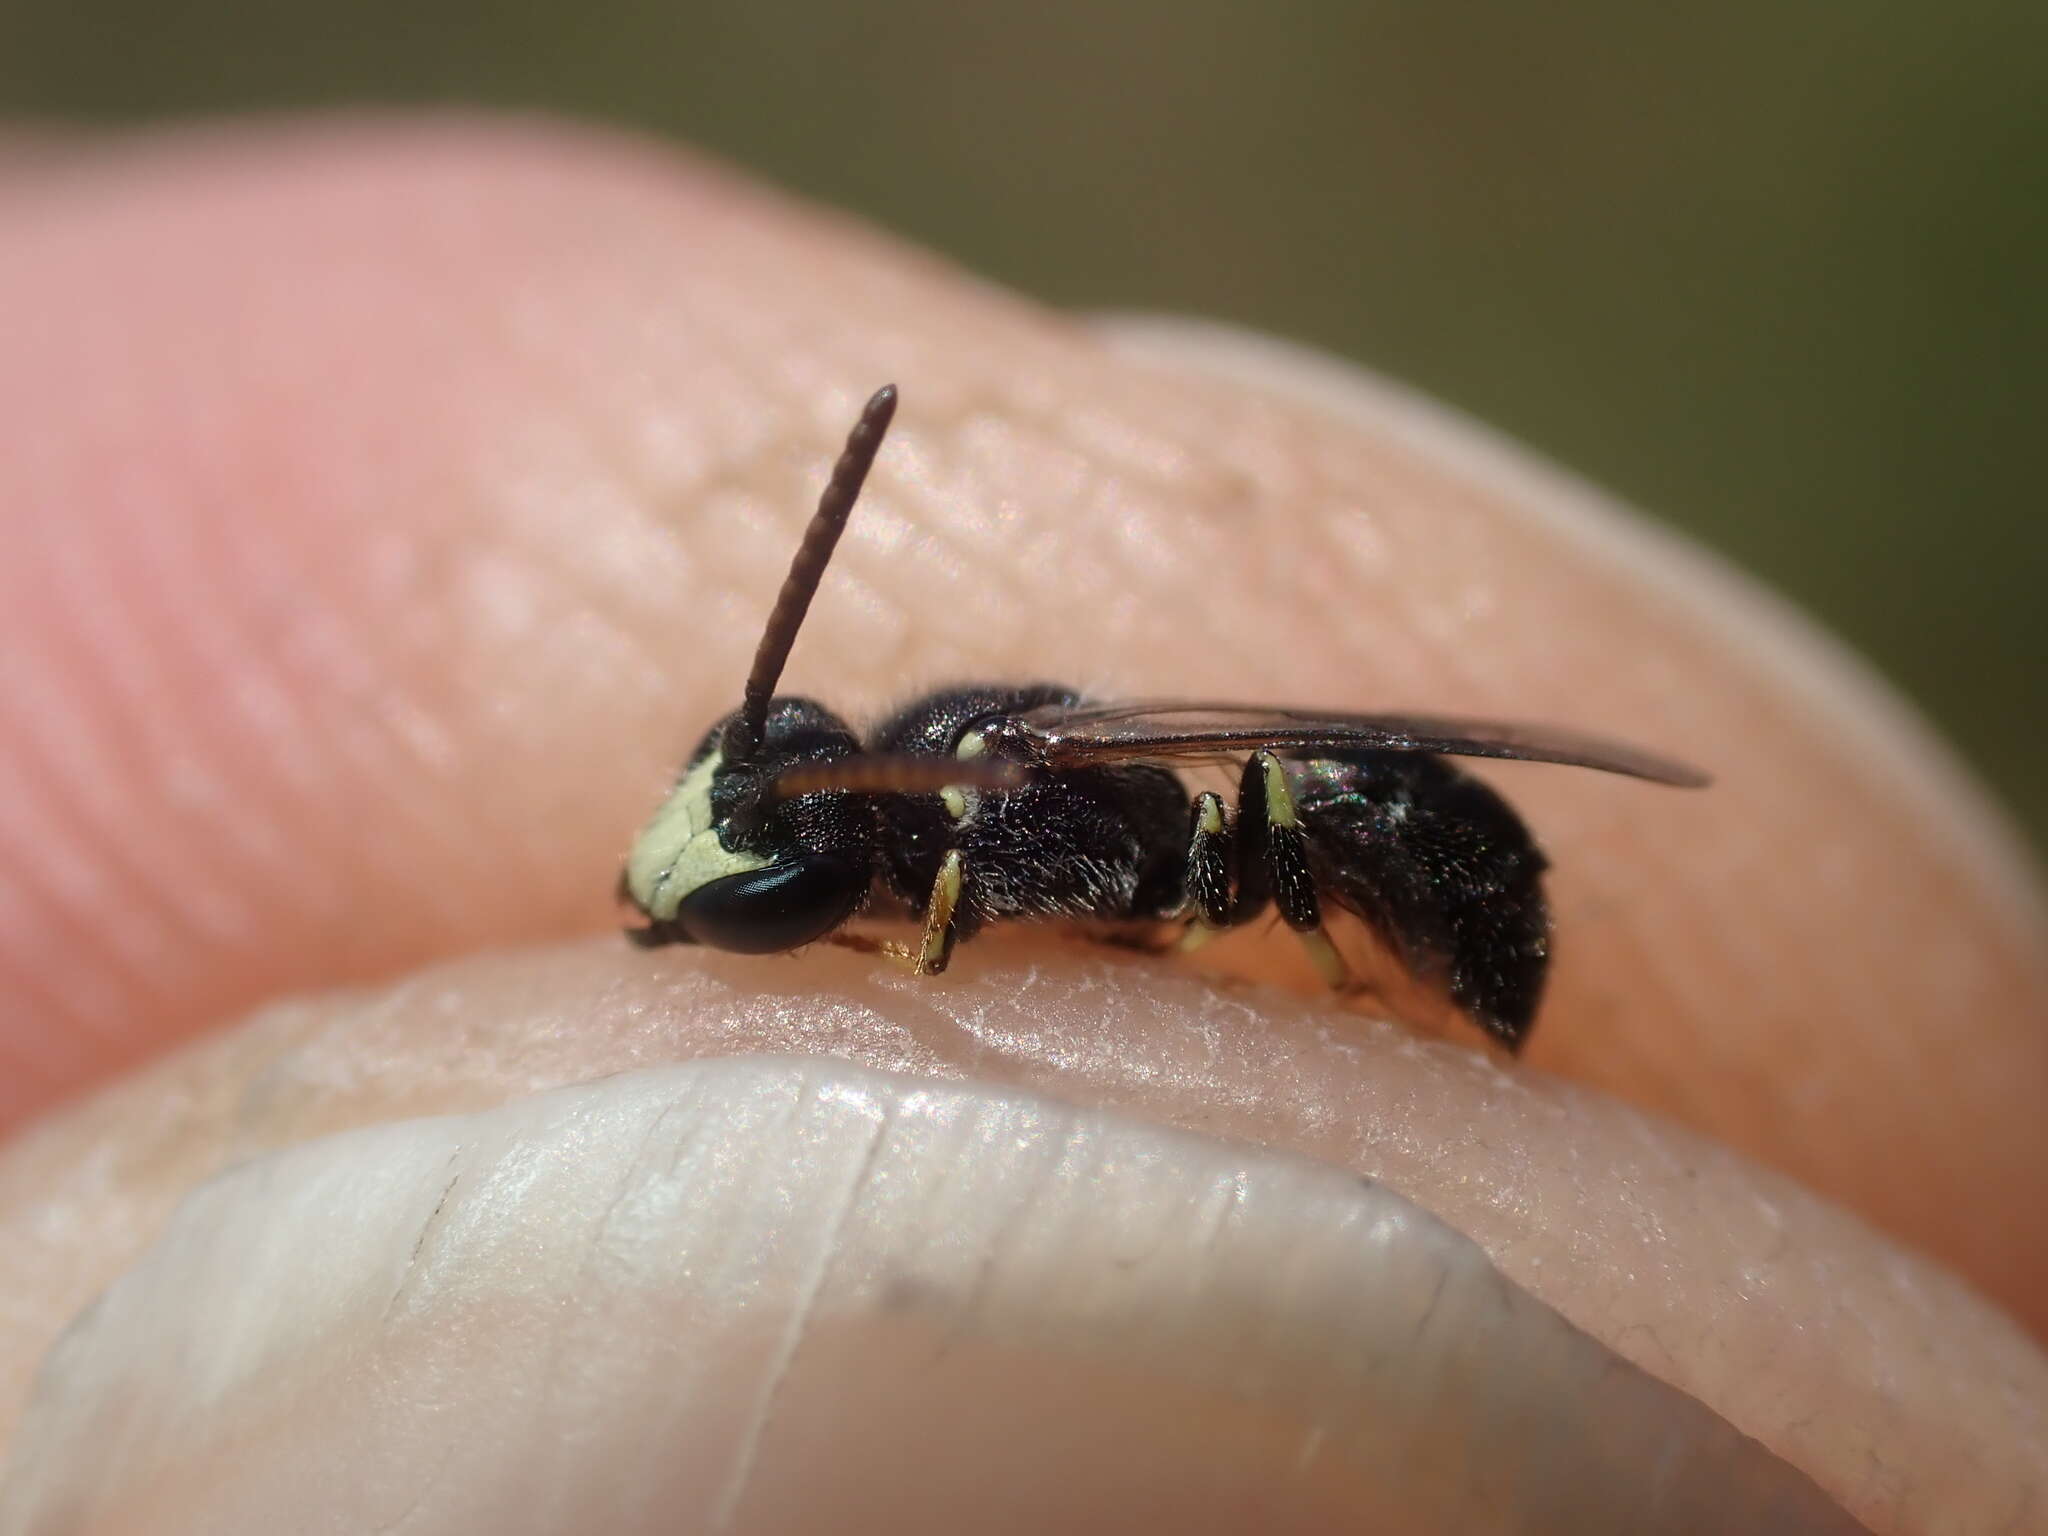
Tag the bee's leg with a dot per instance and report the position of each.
(867, 944)
(930, 954)
(1272, 864)
(1205, 905)
(937, 948)
(1209, 905)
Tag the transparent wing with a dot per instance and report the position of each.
(1167, 730)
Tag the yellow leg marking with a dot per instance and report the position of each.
(953, 797)
(1279, 798)
(1195, 935)
(938, 917)
(1328, 962)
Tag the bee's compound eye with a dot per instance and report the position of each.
(777, 908)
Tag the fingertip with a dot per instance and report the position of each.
(398, 499)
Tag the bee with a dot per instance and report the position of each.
(989, 802)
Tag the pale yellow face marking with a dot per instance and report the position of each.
(954, 798)
(678, 851)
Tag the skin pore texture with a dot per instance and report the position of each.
(391, 505)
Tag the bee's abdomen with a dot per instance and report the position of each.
(1442, 869)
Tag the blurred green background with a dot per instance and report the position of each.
(1772, 269)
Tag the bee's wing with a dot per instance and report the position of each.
(1166, 730)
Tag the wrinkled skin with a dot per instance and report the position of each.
(390, 505)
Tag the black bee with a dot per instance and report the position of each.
(994, 801)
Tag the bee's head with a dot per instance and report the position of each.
(732, 861)
(768, 840)
(739, 858)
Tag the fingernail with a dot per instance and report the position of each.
(757, 1294)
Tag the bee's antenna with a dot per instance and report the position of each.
(898, 773)
(744, 734)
